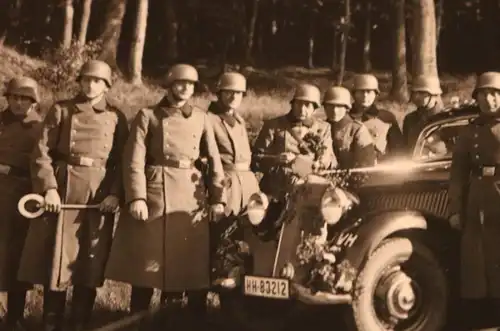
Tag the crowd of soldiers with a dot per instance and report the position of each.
(84, 152)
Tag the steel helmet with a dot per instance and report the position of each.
(429, 84)
(23, 86)
(365, 82)
(181, 72)
(232, 81)
(490, 79)
(338, 95)
(308, 92)
(97, 69)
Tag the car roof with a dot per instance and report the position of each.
(463, 111)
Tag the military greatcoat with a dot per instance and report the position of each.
(236, 155)
(169, 251)
(474, 194)
(283, 134)
(352, 143)
(17, 138)
(78, 153)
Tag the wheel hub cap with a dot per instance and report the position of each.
(398, 293)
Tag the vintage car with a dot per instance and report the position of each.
(375, 239)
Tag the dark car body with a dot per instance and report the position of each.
(405, 198)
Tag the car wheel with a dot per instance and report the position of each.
(401, 287)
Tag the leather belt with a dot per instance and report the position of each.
(84, 161)
(239, 166)
(486, 170)
(9, 170)
(175, 163)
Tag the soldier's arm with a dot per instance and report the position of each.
(459, 175)
(42, 171)
(134, 159)
(216, 189)
(364, 152)
(328, 159)
(262, 146)
(119, 140)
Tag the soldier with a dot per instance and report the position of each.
(425, 92)
(381, 123)
(474, 193)
(278, 146)
(162, 239)
(76, 161)
(283, 137)
(352, 142)
(234, 147)
(19, 127)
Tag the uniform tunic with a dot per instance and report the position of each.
(474, 194)
(414, 123)
(78, 153)
(236, 155)
(169, 251)
(384, 128)
(280, 135)
(17, 138)
(352, 143)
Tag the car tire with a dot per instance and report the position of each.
(407, 272)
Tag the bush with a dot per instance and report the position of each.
(63, 66)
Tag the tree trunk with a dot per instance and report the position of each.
(251, 32)
(439, 19)
(310, 53)
(345, 36)
(137, 49)
(84, 23)
(110, 36)
(335, 57)
(399, 90)
(172, 30)
(367, 40)
(68, 23)
(424, 32)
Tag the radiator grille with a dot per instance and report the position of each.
(434, 202)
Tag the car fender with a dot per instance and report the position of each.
(376, 228)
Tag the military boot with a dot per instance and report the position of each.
(81, 307)
(54, 304)
(140, 299)
(15, 310)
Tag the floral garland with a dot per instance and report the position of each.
(326, 274)
(231, 255)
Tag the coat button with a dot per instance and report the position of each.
(476, 145)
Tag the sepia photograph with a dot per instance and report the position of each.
(256, 165)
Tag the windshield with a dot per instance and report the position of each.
(436, 142)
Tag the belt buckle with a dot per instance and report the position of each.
(488, 171)
(184, 164)
(86, 161)
(5, 169)
(242, 166)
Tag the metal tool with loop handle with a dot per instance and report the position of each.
(39, 202)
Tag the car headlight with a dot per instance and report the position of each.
(257, 207)
(334, 203)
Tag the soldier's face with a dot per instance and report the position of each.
(489, 100)
(335, 112)
(93, 87)
(420, 98)
(231, 99)
(20, 105)
(182, 89)
(365, 98)
(302, 110)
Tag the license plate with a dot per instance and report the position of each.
(274, 288)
